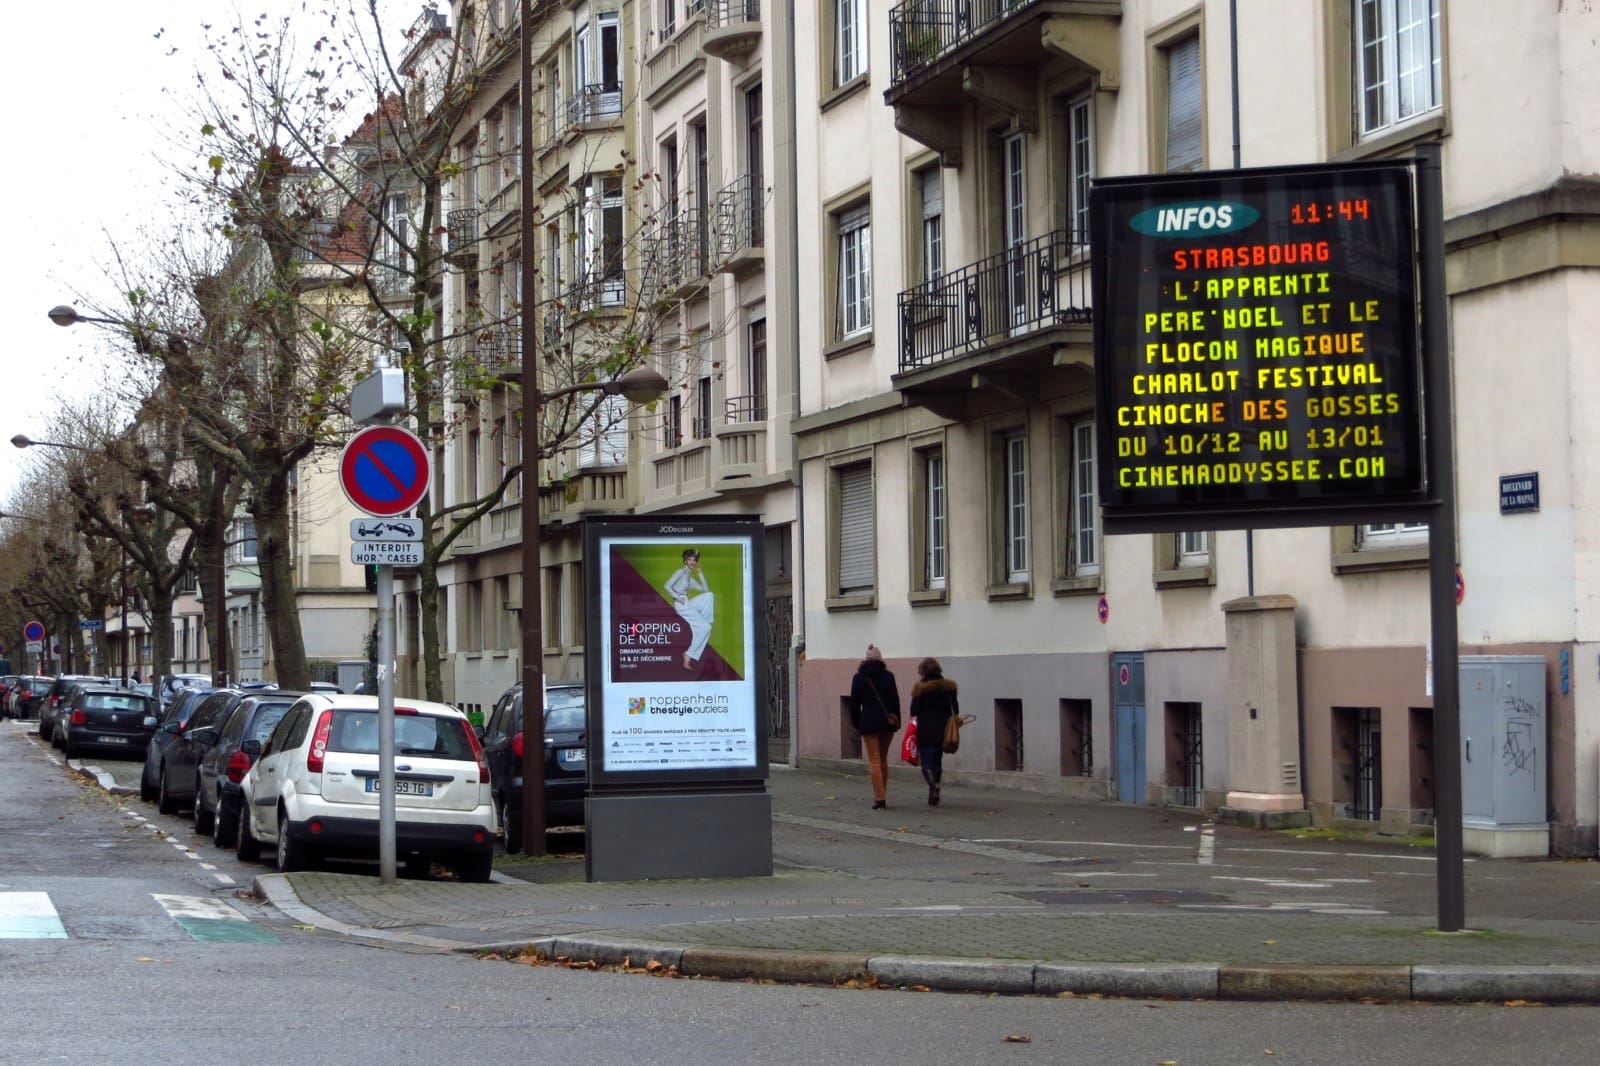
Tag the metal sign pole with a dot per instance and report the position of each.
(1447, 803)
(386, 871)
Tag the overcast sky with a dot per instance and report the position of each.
(91, 94)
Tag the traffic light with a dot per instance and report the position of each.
(372, 576)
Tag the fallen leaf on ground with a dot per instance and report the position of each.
(1017, 1040)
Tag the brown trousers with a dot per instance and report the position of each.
(875, 749)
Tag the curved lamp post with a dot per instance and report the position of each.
(640, 385)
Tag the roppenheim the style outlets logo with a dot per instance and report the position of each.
(1200, 219)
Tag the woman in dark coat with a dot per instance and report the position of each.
(875, 713)
(933, 701)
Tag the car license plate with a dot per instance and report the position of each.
(110, 740)
(403, 788)
(571, 756)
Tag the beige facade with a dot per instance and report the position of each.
(946, 471)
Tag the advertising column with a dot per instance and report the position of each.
(676, 689)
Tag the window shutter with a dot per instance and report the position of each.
(1183, 106)
(857, 555)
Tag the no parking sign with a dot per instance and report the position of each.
(384, 470)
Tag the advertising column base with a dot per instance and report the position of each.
(668, 835)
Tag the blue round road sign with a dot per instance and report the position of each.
(384, 470)
(33, 631)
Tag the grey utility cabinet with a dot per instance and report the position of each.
(1505, 741)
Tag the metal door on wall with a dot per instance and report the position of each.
(1128, 670)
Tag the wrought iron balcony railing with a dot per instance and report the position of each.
(752, 408)
(721, 13)
(740, 219)
(921, 31)
(1040, 283)
(463, 225)
(676, 253)
(594, 103)
(590, 293)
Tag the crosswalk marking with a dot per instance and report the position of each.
(29, 916)
(212, 920)
(32, 916)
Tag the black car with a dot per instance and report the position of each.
(172, 722)
(53, 700)
(29, 694)
(228, 756)
(177, 779)
(113, 719)
(566, 770)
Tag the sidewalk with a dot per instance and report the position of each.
(934, 904)
(1009, 892)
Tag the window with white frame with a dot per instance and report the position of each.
(934, 519)
(395, 242)
(849, 40)
(1185, 149)
(854, 228)
(600, 240)
(1014, 500)
(604, 440)
(1194, 549)
(1080, 167)
(855, 534)
(1381, 535)
(1398, 63)
(1084, 558)
(242, 541)
(930, 192)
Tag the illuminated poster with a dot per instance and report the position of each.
(678, 691)
(1256, 352)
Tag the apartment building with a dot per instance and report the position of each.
(946, 419)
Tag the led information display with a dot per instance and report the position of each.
(1255, 347)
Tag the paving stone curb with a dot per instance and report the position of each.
(1544, 984)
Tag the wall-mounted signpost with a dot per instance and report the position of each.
(384, 471)
(677, 691)
(1257, 366)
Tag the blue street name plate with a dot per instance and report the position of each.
(1519, 493)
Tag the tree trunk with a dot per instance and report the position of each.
(160, 633)
(428, 615)
(270, 509)
(210, 556)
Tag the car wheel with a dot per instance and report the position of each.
(68, 749)
(292, 854)
(245, 845)
(512, 820)
(224, 826)
(202, 817)
(42, 733)
(165, 803)
(475, 867)
(147, 790)
(418, 866)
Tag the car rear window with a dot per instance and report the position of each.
(564, 718)
(414, 734)
(266, 720)
(113, 702)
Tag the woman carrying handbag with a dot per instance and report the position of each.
(933, 704)
(875, 713)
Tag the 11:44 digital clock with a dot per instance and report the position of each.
(1314, 214)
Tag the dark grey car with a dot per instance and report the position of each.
(177, 776)
(172, 722)
(111, 719)
(228, 758)
(51, 702)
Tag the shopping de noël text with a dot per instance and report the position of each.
(647, 634)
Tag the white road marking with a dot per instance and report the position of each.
(1339, 854)
(198, 907)
(1081, 843)
(1208, 845)
(29, 916)
(1079, 874)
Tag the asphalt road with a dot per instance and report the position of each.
(128, 981)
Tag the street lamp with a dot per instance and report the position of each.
(639, 386)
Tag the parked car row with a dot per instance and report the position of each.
(566, 770)
(22, 696)
(299, 772)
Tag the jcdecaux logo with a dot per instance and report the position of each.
(1198, 219)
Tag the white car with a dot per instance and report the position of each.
(314, 789)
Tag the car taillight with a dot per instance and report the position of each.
(477, 751)
(516, 745)
(319, 743)
(78, 717)
(238, 766)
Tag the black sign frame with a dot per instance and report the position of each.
(1348, 230)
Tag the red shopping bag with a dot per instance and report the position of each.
(908, 746)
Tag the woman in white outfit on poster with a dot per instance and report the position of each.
(693, 600)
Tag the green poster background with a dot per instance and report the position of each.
(723, 566)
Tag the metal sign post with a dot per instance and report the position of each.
(385, 471)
